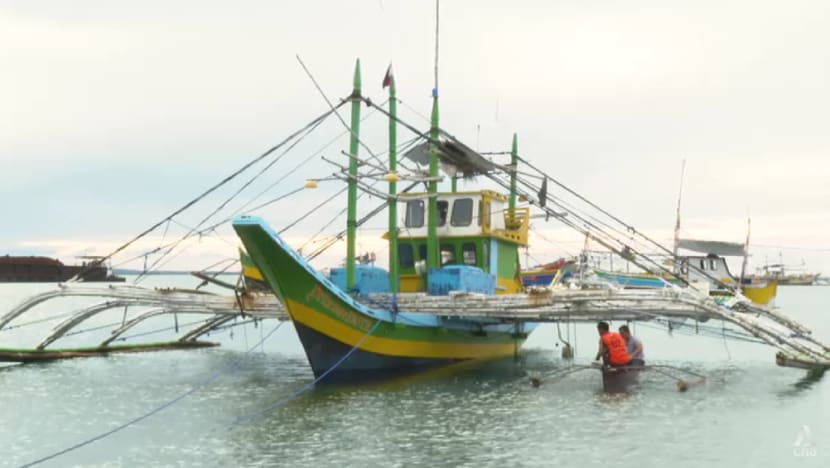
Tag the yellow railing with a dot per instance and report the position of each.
(516, 224)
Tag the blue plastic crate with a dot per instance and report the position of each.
(440, 281)
(368, 279)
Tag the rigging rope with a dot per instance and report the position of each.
(244, 206)
(204, 383)
(325, 98)
(204, 194)
(240, 189)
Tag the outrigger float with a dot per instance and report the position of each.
(453, 289)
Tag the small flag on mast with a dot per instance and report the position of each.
(387, 80)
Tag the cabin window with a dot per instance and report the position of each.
(684, 267)
(713, 264)
(468, 254)
(702, 264)
(414, 214)
(462, 212)
(442, 207)
(405, 258)
(478, 216)
(447, 254)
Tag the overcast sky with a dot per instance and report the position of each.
(115, 113)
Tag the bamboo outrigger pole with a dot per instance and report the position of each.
(351, 215)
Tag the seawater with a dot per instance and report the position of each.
(748, 413)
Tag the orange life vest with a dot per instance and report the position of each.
(614, 343)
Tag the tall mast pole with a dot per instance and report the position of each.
(514, 164)
(677, 219)
(351, 215)
(393, 186)
(746, 255)
(432, 205)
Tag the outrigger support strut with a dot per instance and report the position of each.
(149, 303)
(797, 347)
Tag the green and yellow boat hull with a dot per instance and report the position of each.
(332, 324)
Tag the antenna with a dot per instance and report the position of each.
(435, 89)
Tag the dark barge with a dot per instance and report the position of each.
(32, 269)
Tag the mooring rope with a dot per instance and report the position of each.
(282, 401)
(206, 382)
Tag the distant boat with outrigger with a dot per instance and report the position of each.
(710, 272)
(788, 275)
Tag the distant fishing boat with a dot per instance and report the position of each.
(34, 269)
(784, 276)
(711, 270)
(543, 275)
(634, 280)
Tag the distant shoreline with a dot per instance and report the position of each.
(119, 271)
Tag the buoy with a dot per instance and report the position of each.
(536, 381)
(391, 177)
(682, 386)
(310, 183)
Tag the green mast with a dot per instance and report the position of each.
(351, 215)
(393, 186)
(514, 162)
(432, 206)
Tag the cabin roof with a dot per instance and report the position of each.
(488, 193)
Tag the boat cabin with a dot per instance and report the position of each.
(475, 229)
(702, 265)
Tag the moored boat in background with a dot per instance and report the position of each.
(785, 277)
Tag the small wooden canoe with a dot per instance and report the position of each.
(619, 379)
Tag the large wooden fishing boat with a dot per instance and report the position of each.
(453, 288)
(331, 322)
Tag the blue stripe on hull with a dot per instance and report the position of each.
(538, 280)
(323, 352)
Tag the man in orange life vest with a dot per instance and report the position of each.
(611, 347)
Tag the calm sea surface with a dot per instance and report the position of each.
(749, 413)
